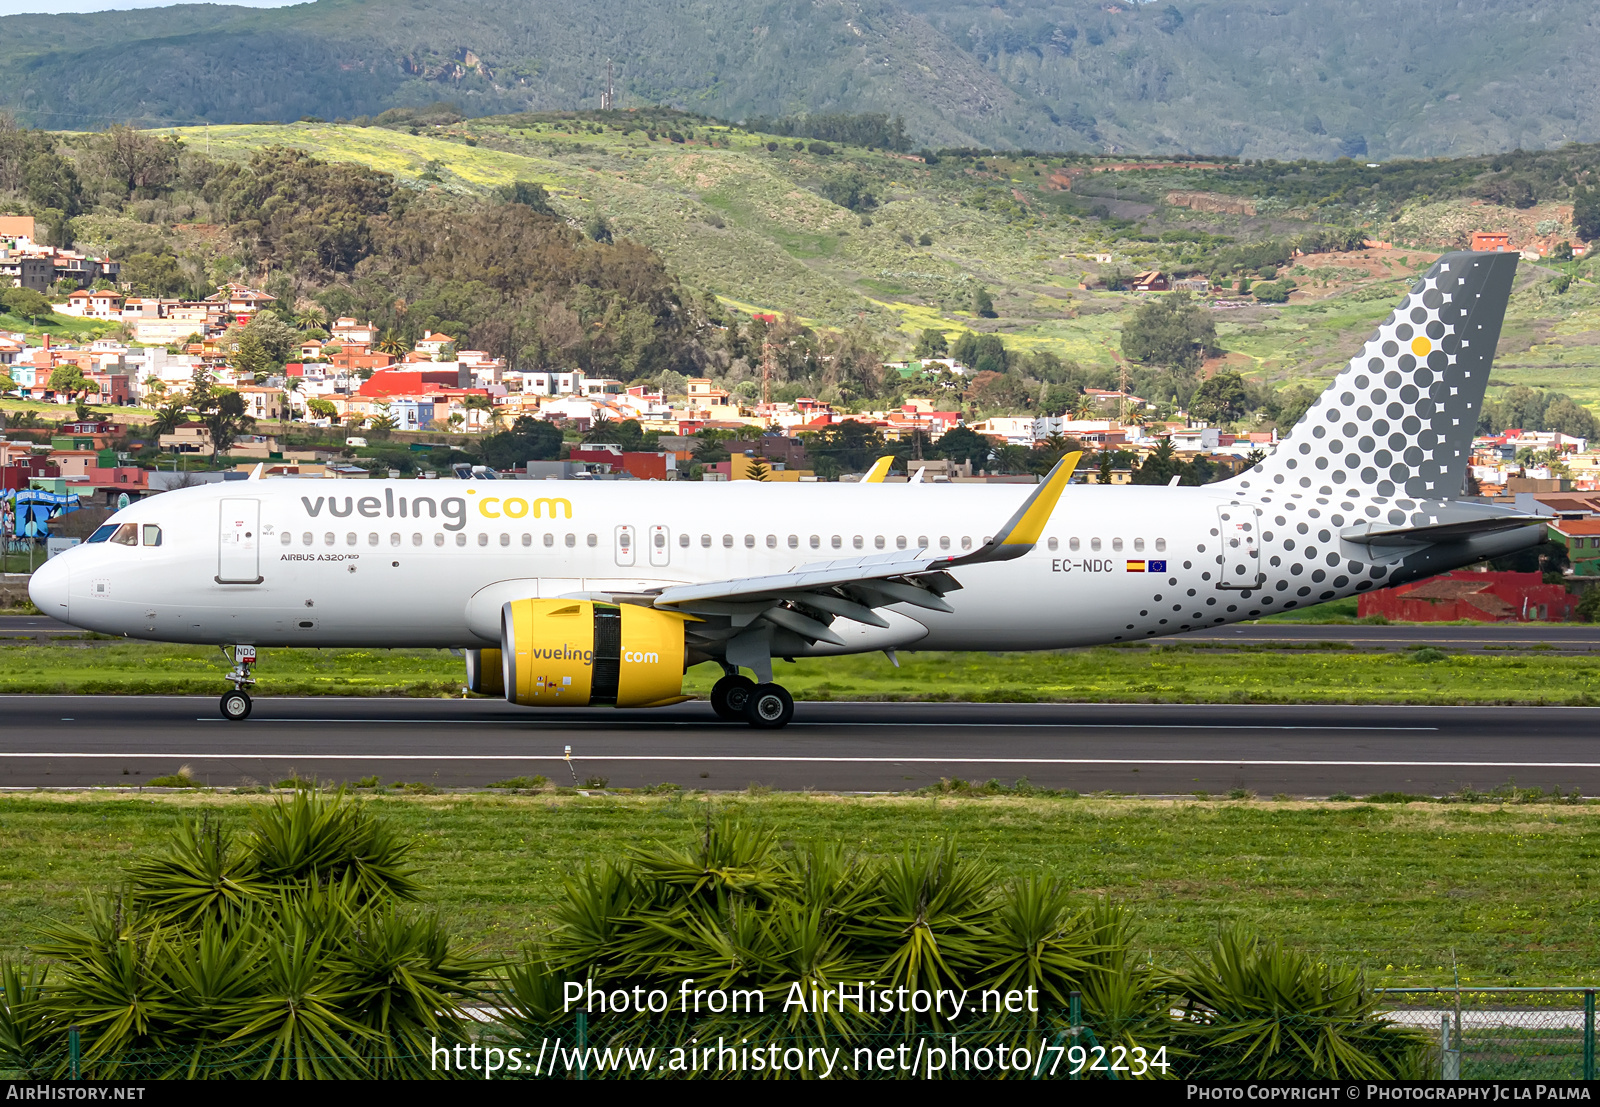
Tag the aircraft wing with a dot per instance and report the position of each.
(805, 600)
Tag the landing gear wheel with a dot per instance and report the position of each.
(770, 707)
(730, 696)
(236, 705)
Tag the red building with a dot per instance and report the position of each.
(1481, 597)
(409, 382)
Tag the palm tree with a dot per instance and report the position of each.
(168, 416)
(477, 403)
(311, 319)
(291, 385)
(391, 343)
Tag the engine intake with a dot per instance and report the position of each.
(575, 653)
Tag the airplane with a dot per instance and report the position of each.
(605, 593)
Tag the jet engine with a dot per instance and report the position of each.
(484, 675)
(576, 653)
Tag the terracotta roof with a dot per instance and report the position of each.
(1575, 527)
(1446, 588)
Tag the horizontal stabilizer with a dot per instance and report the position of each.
(1458, 531)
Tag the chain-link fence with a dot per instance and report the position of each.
(1503, 1033)
(1421, 1033)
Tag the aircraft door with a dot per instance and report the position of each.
(239, 542)
(625, 550)
(1239, 528)
(660, 545)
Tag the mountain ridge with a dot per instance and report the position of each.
(1249, 78)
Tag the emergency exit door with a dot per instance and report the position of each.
(239, 542)
(1240, 560)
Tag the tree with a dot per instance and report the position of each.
(931, 343)
(1221, 399)
(983, 303)
(310, 320)
(168, 416)
(1293, 403)
(321, 408)
(963, 444)
(391, 343)
(1586, 212)
(68, 380)
(758, 470)
(136, 161)
(529, 439)
(1570, 417)
(6, 383)
(528, 194)
(1161, 466)
(1171, 331)
(25, 302)
(223, 414)
(598, 228)
(1272, 292)
(383, 419)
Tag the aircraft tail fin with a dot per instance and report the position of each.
(1398, 422)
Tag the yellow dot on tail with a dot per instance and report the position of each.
(1421, 346)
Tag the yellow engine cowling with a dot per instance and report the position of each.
(574, 653)
(485, 675)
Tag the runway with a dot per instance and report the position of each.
(118, 741)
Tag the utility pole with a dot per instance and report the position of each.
(768, 356)
(608, 98)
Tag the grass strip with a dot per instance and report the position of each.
(1168, 673)
(1393, 886)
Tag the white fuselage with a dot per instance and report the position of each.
(289, 562)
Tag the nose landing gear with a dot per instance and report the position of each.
(236, 704)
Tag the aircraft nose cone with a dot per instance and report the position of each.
(48, 588)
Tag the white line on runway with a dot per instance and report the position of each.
(817, 760)
(696, 723)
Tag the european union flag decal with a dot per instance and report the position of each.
(1158, 566)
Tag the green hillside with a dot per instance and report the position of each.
(1250, 78)
(753, 226)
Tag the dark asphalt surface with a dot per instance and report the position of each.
(74, 741)
(1495, 637)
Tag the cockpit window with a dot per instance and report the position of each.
(126, 535)
(152, 534)
(102, 533)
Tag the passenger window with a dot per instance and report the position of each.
(438, 538)
(372, 538)
(1161, 544)
(837, 542)
(505, 540)
(549, 540)
(126, 535)
(727, 541)
(856, 542)
(394, 539)
(327, 538)
(1138, 544)
(593, 540)
(1094, 543)
(349, 539)
(1072, 544)
(285, 538)
(922, 541)
(1053, 544)
(103, 533)
(816, 541)
(660, 541)
(794, 541)
(944, 541)
(416, 539)
(527, 539)
(749, 541)
(572, 541)
(966, 542)
(900, 542)
(461, 540)
(483, 539)
(306, 539)
(1116, 544)
(772, 541)
(683, 540)
(878, 542)
(705, 541)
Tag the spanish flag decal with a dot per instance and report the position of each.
(1135, 566)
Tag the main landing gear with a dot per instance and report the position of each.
(763, 706)
(237, 703)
